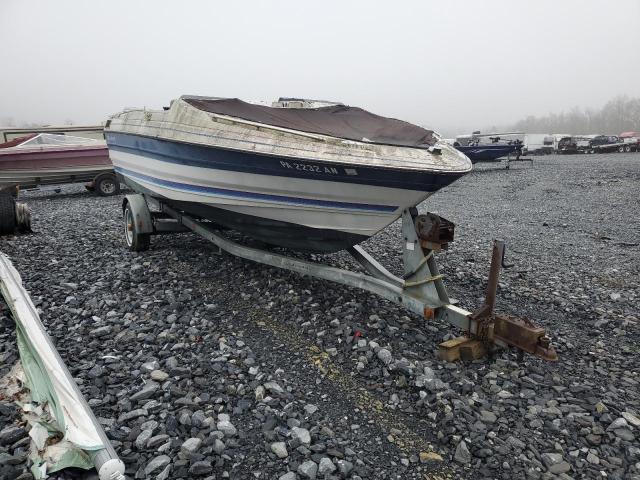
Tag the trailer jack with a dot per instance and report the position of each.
(513, 331)
(433, 233)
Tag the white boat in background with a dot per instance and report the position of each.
(320, 179)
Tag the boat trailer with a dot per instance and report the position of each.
(421, 289)
(517, 158)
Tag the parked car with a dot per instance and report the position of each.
(604, 140)
(567, 146)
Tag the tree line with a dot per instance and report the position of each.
(621, 114)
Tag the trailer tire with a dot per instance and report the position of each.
(107, 185)
(627, 148)
(7, 214)
(136, 241)
(621, 149)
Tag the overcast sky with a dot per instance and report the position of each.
(445, 64)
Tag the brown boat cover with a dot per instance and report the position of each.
(340, 121)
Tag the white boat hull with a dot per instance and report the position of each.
(360, 209)
(287, 188)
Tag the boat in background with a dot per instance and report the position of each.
(317, 179)
(85, 131)
(500, 145)
(633, 136)
(46, 159)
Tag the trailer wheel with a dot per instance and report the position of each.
(627, 148)
(136, 242)
(620, 149)
(107, 185)
(7, 214)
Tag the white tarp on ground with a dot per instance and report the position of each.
(52, 390)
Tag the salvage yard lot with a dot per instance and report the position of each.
(166, 342)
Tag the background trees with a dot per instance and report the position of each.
(620, 114)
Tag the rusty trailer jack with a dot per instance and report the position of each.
(421, 289)
(514, 331)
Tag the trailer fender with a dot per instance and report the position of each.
(141, 213)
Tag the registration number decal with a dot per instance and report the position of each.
(309, 168)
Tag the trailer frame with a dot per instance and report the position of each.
(420, 290)
(618, 147)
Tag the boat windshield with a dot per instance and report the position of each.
(58, 140)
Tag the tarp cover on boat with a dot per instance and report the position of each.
(629, 134)
(340, 121)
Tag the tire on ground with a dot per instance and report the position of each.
(7, 214)
(107, 185)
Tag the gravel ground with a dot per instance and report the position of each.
(209, 366)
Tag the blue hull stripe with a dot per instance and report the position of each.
(223, 192)
(250, 162)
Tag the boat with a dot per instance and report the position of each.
(46, 159)
(489, 153)
(84, 131)
(477, 149)
(318, 179)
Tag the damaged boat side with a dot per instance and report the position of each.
(57, 405)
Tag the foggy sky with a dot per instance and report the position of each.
(446, 64)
